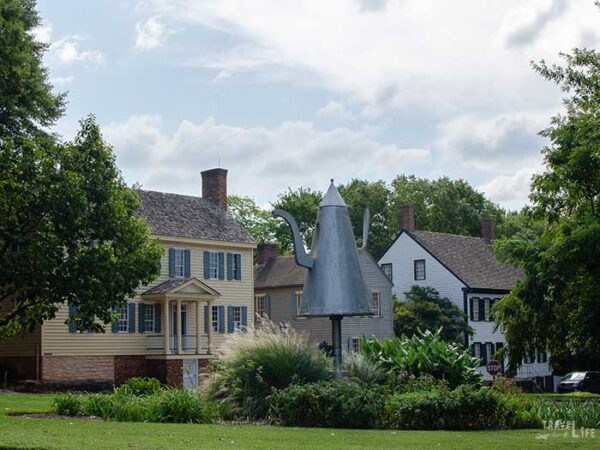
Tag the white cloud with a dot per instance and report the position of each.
(335, 109)
(57, 81)
(437, 56)
(495, 142)
(522, 25)
(151, 34)
(262, 161)
(66, 51)
(511, 190)
(42, 33)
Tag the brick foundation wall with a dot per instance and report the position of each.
(174, 372)
(157, 368)
(129, 366)
(78, 369)
(17, 368)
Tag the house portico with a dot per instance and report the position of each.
(176, 297)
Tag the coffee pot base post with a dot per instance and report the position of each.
(336, 337)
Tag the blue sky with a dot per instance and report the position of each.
(286, 93)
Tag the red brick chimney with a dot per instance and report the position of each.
(214, 186)
(488, 228)
(266, 251)
(407, 217)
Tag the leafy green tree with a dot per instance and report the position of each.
(359, 194)
(556, 305)
(303, 204)
(68, 229)
(259, 223)
(443, 205)
(26, 98)
(424, 309)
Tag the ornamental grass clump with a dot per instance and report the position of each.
(361, 370)
(139, 401)
(251, 364)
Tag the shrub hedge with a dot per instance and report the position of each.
(335, 404)
(465, 407)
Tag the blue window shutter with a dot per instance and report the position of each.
(471, 316)
(221, 319)
(244, 316)
(131, 317)
(72, 325)
(158, 272)
(142, 318)
(187, 263)
(483, 353)
(157, 313)
(171, 262)
(115, 322)
(206, 265)
(238, 275)
(230, 319)
(206, 318)
(229, 266)
(221, 259)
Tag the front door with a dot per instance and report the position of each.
(173, 308)
(190, 373)
(173, 338)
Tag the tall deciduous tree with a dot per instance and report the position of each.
(424, 309)
(359, 194)
(26, 98)
(258, 222)
(303, 204)
(68, 230)
(444, 205)
(556, 306)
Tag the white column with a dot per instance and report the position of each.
(179, 346)
(209, 332)
(198, 328)
(166, 324)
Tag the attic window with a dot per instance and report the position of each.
(419, 269)
(387, 269)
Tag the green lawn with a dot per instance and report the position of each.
(28, 433)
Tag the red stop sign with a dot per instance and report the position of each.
(493, 367)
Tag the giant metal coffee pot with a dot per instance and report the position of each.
(334, 285)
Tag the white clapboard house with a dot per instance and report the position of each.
(464, 269)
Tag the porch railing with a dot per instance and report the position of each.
(155, 344)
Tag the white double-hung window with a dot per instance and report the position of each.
(237, 318)
(213, 261)
(259, 304)
(123, 322)
(376, 304)
(179, 263)
(214, 319)
(149, 326)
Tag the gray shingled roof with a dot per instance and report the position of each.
(166, 286)
(189, 217)
(470, 258)
(283, 271)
